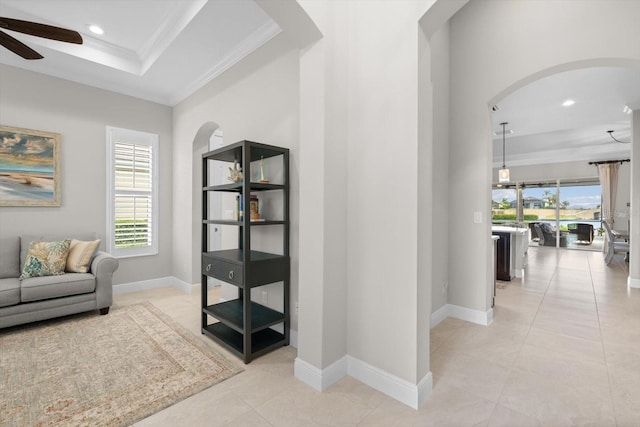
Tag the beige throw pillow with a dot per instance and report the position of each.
(45, 259)
(80, 255)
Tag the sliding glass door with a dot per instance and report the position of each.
(580, 213)
(558, 213)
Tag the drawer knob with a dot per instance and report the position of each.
(231, 274)
(208, 267)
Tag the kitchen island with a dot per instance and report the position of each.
(512, 251)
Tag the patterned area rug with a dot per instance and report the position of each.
(102, 370)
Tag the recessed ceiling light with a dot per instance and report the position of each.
(568, 103)
(96, 29)
(627, 110)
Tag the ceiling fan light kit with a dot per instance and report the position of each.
(34, 29)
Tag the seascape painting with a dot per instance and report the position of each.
(29, 167)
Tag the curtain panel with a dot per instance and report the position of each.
(608, 173)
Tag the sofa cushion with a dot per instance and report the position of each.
(26, 239)
(40, 288)
(80, 255)
(9, 257)
(9, 291)
(45, 259)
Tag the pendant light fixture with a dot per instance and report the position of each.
(503, 174)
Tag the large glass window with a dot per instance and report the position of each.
(132, 228)
(568, 212)
(503, 205)
(539, 203)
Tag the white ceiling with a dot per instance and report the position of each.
(164, 50)
(546, 132)
(158, 50)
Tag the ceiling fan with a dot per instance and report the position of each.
(34, 29)
(610, 132)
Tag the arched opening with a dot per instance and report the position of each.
(577, 146)
(208, 136)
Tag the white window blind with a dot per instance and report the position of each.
(133, 193)
(133, 204)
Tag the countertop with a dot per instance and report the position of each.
(505, 229)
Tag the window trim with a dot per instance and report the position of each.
(114, 135)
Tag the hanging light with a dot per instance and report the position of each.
(503, 174)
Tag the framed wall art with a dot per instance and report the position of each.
(29, 167)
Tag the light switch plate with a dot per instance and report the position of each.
(477, 217)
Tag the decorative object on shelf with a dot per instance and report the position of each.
(263, 180)
(503, 174)
(254, 208)
(235, 173)
(239, 212)
(30, 173)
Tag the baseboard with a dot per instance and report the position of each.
(633, 283)
(439, 315)
(144, 285)
(320, 379)
(182, 285)
(463, 313)
(403, 391)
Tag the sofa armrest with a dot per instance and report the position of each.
(102, 267)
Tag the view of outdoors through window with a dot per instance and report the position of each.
(578, 216)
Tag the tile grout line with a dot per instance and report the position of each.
(604, 353)
(512, 368)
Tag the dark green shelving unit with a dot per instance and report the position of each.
(243, 326)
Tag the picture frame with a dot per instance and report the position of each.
(30, 172)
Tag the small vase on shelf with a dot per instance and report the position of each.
(263, 180)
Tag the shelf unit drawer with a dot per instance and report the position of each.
(223, 270)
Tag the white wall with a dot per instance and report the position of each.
(438, 190)
(497, 47)
(323, 204)
(365, 133)
(80, 114)
(382, 181)
(257, 100)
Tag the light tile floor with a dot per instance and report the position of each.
(564, 349)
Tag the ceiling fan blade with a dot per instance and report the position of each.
(18, 47)
(41, 30)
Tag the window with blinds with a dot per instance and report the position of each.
(133, 204)
(133, 193)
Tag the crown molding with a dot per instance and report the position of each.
(259, 37)
(174, 22)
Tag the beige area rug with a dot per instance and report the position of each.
(93, 370)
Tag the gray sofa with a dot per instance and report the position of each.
(40, 298)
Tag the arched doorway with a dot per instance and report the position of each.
(606, 89)
(209, 135)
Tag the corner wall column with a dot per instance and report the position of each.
(634, 231)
